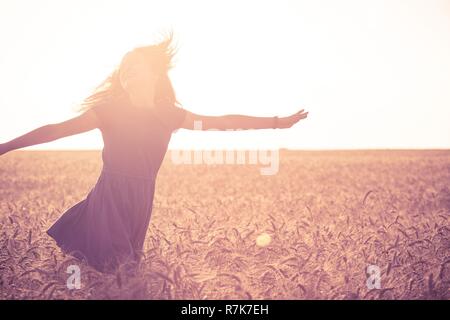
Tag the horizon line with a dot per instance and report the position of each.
(248, 149)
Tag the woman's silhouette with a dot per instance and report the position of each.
(136, 111)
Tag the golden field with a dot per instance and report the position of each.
(329, 214)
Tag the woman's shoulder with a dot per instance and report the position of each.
(108, 109)
(170, 115)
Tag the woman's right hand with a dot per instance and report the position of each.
(4, 148)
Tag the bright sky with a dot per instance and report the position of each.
(372, 74)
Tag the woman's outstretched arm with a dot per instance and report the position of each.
(82, 123)
(194, 121)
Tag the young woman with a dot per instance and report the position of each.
(136, 111)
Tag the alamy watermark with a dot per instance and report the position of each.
(74, 280)
(374, 277)
(270, 159)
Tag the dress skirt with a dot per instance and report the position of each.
(108, 227)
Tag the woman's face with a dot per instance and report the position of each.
(138, 79)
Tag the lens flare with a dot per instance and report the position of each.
(263, 240)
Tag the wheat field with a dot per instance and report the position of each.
(330, 216)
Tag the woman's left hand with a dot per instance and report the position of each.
(287, 122)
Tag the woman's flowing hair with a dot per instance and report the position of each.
(160, 57)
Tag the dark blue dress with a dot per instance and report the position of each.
(108, 228)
